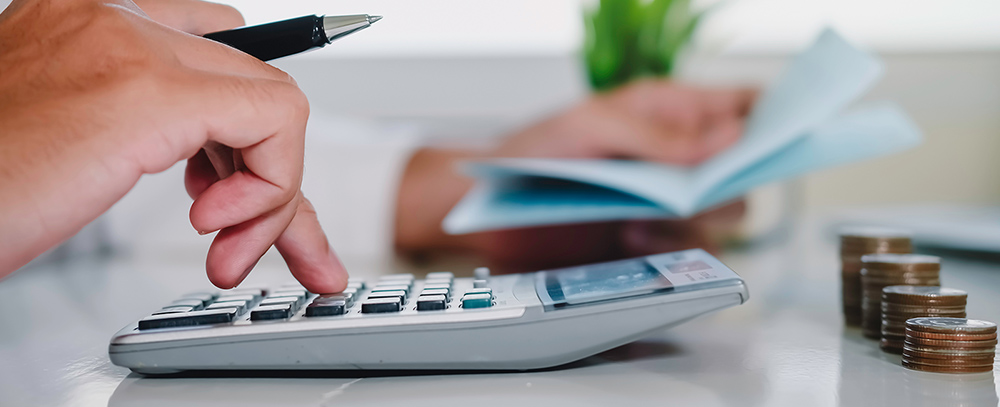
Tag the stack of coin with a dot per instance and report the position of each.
(882, 270)
(857, 242)
(902, 302)
(949, 345)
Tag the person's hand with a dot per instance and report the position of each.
(95, 93)
(649, 120)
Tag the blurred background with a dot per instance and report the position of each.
(463, 71)
(467, 72)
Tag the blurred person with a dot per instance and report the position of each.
(120, 89)
(652, 120)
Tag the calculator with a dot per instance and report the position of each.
(440, 322)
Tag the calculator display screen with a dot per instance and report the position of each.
(602, 281)
(678, 271)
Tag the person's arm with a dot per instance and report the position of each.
(94, 94)
(651, 120)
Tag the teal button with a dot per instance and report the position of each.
(477, 301)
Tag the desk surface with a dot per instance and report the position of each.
(786, 346)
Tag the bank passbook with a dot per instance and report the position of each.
(440, 322)
(799, 124)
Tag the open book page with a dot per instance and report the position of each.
(816, 84)
(868, 132)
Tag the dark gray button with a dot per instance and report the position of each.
(326, 306)
(269, 312)
(437, 291)
(196, 304)
(431, 303)
(206, 317)
(380, 305)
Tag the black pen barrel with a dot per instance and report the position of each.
(275, 40)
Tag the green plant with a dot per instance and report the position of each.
(626, 39)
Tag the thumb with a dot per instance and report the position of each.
(192, 16)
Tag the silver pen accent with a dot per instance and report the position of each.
(340, 26)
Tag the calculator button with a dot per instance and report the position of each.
(485, 290)
(246, 298)
(479, 283)
(380, 305)
(294, 301)
(301, 294)
(477, 301)
(349, 295)
(394, 287)
(173, 310)
(431, 302)
(389, 294)
(196, 304)
(356, 283)
(437, 286)
(327, 306)
(481, 273)
(204, 297)
(206, 317)
(437, 281)
(400, 276)
(268, 312)
(256, 292)
(239, 305)
(440, 274)
(437, 291)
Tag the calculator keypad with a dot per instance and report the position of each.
(392, 294)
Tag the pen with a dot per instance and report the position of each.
(283, 38)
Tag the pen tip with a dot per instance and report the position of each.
(373, 19)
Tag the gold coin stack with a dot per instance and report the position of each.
(885, 269)
(857, 242)
(949, 345)
(902, 302)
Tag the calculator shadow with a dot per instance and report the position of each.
(633, 351)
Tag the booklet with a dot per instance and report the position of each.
(797, 125)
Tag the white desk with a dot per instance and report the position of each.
(786, 346)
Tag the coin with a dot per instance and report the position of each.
(895, 308)
(909, 353)
(916, 295)
(951, 362)
(946, 369)
(944, 343)
(968, 352)
(951, 325)
(953, 337)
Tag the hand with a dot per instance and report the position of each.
(649, 120)
(89, 104)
